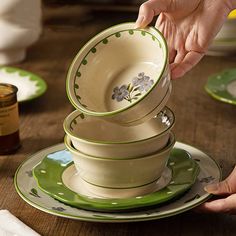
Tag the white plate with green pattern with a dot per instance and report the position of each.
(30, 86)
(222, 86)
(28, 189)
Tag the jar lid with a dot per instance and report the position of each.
(7, 90)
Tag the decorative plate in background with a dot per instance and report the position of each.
(30, 86)
(27, 188)
(222, 86)
(221, 47)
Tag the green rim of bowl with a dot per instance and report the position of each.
(41, 84)
(49, 172)
(67, 122)
(68, 144)
(111, 113)
(214, 83)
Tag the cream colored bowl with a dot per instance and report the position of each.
(228, 30)
(121, 74)
(125, 173)
(97, 137)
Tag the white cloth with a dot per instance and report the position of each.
(12, 226)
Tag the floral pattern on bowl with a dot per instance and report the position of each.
(140, 84)
(130, 66)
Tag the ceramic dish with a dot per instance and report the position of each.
(27, 188)
(30, 86)
(222, 86)
(222, 48)
(121, 173)
(97, 137)
(152, 113)
(228, 31)
(121, 74)
(183, 171)
(225, 41)
(72, 181)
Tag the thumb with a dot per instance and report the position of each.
(225, 187)
(148, 10)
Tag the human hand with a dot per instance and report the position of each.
(225, 188)
(188, 26)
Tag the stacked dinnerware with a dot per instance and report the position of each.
(120, 134)
(111, 156)
(225, 41)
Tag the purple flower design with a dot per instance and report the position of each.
(138, 80)
(120, 93)
(143, 82)
(146, 84)
(132, 91)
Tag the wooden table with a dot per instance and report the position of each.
(201, 121)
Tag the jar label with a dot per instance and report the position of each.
(9, 119)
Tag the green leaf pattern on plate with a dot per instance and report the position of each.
(34, 192)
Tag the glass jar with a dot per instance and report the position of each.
(9, 119)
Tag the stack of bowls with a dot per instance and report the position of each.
(120, 135)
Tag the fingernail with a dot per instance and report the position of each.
(139, 21)
(212, 188)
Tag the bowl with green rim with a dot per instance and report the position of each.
(228, 31)
(121, 173)
(97, 137)
(121, 74)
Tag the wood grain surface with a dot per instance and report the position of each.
(200, 121)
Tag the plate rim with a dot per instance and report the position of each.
(121, 204)
(215, 95)
(105, 219)
(43, 85)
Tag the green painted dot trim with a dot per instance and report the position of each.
(78, 74)
(84, 62)
(106, 41)
(118, 34)
(93, 50)
(131, 32)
